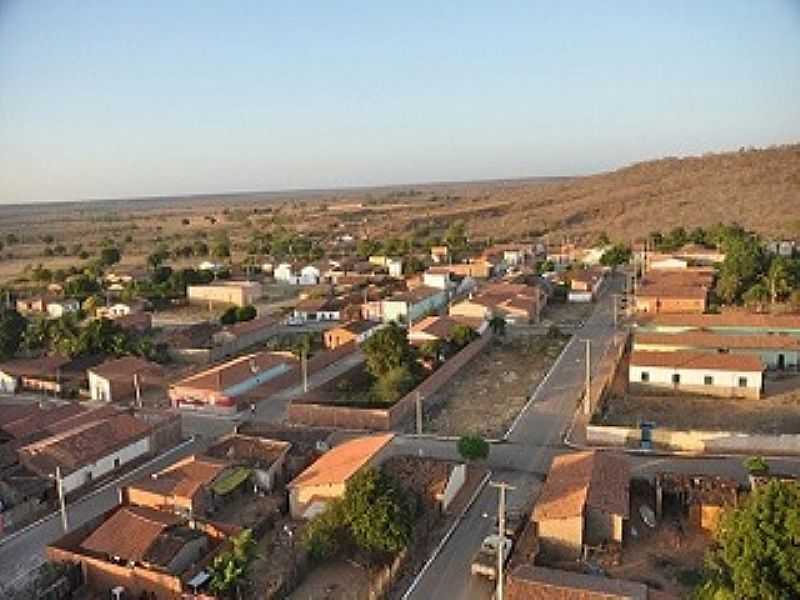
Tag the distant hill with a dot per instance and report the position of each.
(758, 188)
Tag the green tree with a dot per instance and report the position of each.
(498, 325)
(229, 317)
(473, 447)
(462, 335)
(779, 279)
(12, 330)
(367, 247)
(756, 465)
(431, 350)
(110, 256)
(221, 249)
(228, 570)
(246, 313)
(619, 254)
(387, 349)
(456, 237)
(756, 296)
(394, 384)
(743, 264)
(756, 554)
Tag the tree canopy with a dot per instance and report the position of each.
(228, 570)
(756, 554)
(12, 329)
(618, 254)
(387, 349)
(473, 447)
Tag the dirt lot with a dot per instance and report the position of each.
(490, 391)
(778, 412)
(336, 580)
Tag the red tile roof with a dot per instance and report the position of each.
(342, 462)
(123, 369)
(713, 341)
(734, 318)
(184, 478)
(129, 532)
(227, 374)
(599, 480)
(439, 327)
(687, 359)
(528, 582)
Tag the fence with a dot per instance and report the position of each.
(384, 579)
(384, 419)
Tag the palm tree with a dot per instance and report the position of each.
(778, 278)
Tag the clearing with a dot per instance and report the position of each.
(489, 392)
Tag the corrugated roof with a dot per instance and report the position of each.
(342, 462)
(599, 480)
(687, 359)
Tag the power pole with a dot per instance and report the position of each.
(615, 298)
(137, 390)
(304, 366)
(502, 488)
(419, 413)
(587, 403)
(62, 503)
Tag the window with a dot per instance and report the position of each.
(117, 463)
(708, 380)
(87, 477)
(742, 381)
(645, 376)
(676, 378)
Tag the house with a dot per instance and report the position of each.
(782, 247)
(438, 328)
(440, 255)
(438, 278)
(237, 293)
(706, 373)
(88, 450)
(700, 499)
(530, 582)
(220, 386)
(393, 265)
(517, 303)
(327, 478)
(318, 309)
(48, 374)
(122, 378)
(654, 298)
(585, 284)
(412, 305)
(265, 459)
(185, 487)
(309, 275)
(776, 351)
(58, 308)
(584, 501)
(285, 273)
(352, 332)
(661, 262)
(28, 306)
(139, 552)
(119, 309)
(726, 322)
(239, 336)
(208, 265)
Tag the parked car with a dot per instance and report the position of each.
(485, 561)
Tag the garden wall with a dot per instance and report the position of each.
(385, 419)
(701, 442)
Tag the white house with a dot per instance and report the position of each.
(317, 309)
(121, 378)
(411, 306)
(284, 272)
(208, 265)
(668, 262)
(309, 275)
(395, 266)
(438, 278)
(703, 373)
(58, 308)
(119, 309)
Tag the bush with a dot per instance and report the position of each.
(473, 447)
(229, 316)
(246, 313)
(393, 385)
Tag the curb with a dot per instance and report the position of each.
(446, 537)
(14, 535)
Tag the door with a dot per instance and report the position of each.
(781, 361)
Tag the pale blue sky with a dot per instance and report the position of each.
(103, 98)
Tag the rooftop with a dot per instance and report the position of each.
(416, 295)
(342, 462)
(440, 327)
(664, 290)
(687, 359)
(596, 479)
(184, 478)
(540, 583)
(731, 318)
(222, 376)
(252, 450)
(126, 367)
(712, 341)
(245, 327)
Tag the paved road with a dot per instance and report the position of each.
(21, 553)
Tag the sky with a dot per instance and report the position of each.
(108, 99)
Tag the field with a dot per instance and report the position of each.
(778, 412)
(759, 188)
(493, 388)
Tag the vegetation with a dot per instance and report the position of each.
(388, 349)
(756, 555)
(237, 314)
(12, 330)
(498, 325)
(756, 465)
(228, 570)
(375, 515)
(618, 254)
(473, 447)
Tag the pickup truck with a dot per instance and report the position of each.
(485, 560)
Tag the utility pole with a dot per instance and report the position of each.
(304, 366)
(62, 503)
(419, 413)
(616, 308)
(502, 488)
(587, 405)
(137, 390)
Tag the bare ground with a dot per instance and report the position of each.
(489, 393)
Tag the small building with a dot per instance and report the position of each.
(123, 378)
(352, 332)
(529, 582)
(236, 293)
(437, 328)
(89, 450)
(264, 458)
(726, 322)
(327, 478)
(655, 298)
(318, 309)
(667, 262)
(34, 305)
(139, 552)
(692, 372)
(47, 374)
(309, 275)
(584, 502)
(240, 336)
(438, 278)
(220, 386)
(412, 305)
(285, 273)
(58, 308)
(777, 351)
(119, 309)
(440, 255)
(701, 499)
(585, 284)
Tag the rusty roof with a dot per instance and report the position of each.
(665, 290)
(232, 372)
(688, 359)
(440, 327)
(731, 318)
(123, 369)
(129, 532)
(184, 478)
(340, 463)
(712, 341)
(596, 479)
(528, 582)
